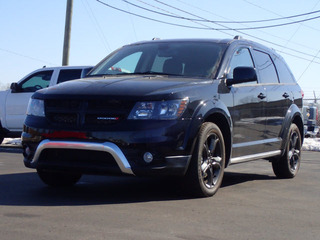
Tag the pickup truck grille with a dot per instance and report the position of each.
(86, 113)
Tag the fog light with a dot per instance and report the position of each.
(27, 152)
(148, 157)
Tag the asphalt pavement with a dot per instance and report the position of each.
(251, 204)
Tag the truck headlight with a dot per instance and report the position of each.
(159, 110)
(36, 107)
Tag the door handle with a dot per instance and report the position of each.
(262, 96)
(285, 95)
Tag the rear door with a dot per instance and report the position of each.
(68, 74)
(279, 98)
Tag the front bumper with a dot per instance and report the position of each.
(118, 149)
(95, 157)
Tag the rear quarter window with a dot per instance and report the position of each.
(264, 64)
(285, 75)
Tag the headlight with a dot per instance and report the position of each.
(159, 110)
(36, 107)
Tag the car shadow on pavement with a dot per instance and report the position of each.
(26, 189)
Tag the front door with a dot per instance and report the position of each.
(248, 111)
(17, 101)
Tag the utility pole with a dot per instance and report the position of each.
(67, 33)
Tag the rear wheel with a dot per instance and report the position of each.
(206, 169)
(288, 165)
(58, 179)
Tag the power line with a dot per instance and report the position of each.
(229, 29)
(299, 57)
(223, 17)
(209, 28)
(308, 65)
(25, 56)
(298, 28)
(133, 27)
(156, 20)
(258, 6)
(216, 21)
(240, 32)
(97, 25)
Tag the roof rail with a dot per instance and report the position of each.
(155, 38)
(238, 37)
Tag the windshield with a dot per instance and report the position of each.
(191, 59)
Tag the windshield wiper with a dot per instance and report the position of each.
(157, 73)
(135, 73)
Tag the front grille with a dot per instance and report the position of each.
(85, 113)
(63, 118)
(78, 160)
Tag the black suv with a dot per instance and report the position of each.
(183, 107)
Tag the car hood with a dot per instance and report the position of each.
(133, 86)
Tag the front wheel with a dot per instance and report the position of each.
(58, 179)
(288, 165)
(206, 169)
(1, 135)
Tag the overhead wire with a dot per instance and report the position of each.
(307, 67)
(156, 20)
(31, 58)
(238, 31)
(305, 70)
(132, 23)
(315, 56)
(98, 28)
(228, 28)
(207, 27)
(265, 9)
(260, 30)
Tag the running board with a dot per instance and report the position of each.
(254, 157)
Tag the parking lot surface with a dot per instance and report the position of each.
(251, 204)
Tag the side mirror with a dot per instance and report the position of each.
(242, 75)
(14, 87)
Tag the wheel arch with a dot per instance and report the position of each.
(217, 113)
(225, 127)
(293, 116)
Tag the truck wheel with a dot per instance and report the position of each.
(288, 165)
(58, 179)
(206, 169)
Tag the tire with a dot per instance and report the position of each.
(1, 134)
(288, 165)
(58, 179)
(206, 169)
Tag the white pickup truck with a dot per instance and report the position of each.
(14, 102)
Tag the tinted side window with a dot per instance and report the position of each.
(240, 58)
(36, 81)
(264, 64)
(284, 72)
(69, 74)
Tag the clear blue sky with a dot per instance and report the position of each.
(32, 31)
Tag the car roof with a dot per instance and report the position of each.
(64, 67)
(226, 41)
(238, 40)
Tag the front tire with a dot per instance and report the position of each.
(206, 169)
(58, 179)
(288, 165)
